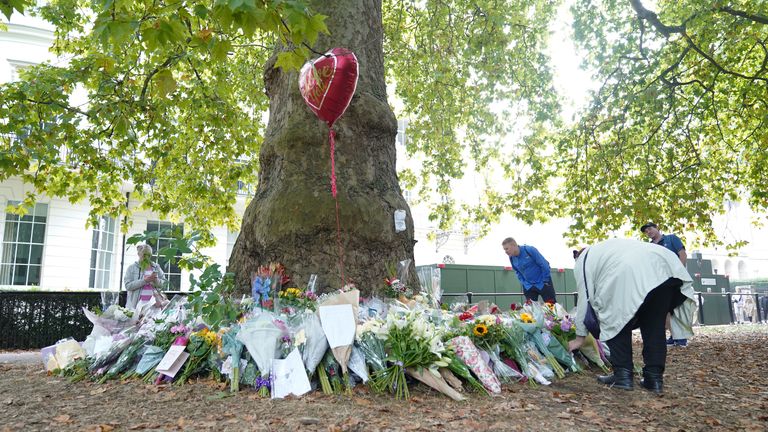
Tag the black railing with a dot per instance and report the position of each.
(760, 311)
(35, 319)
(470, 295)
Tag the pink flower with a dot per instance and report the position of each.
(179, 329)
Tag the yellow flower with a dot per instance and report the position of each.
(480, 330)
(526, 318)
(210, 338)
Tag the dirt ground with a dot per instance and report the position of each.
(717, 383)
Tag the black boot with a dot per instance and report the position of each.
(653, 381)
(621, 379)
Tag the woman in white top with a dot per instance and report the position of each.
(143, 273)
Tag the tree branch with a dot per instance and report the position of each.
(152, 73)
(717, 65)
(762, 19)
(652, 18)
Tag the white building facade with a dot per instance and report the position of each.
(51, 247)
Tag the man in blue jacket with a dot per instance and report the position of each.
(532, 270)
(675, 245)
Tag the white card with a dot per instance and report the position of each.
(338, 323)
(290, 376)
(172, 361)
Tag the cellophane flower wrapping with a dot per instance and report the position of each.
(127, 359)
(470, 355)
(371, 346)
(501, 369)
(429, 278)
(561, 354)
(316, 343)
(538, 364)
(233, 348)
(357, 364)
(115, 319)
(149, 359)
(261, 336)
(120, 342)
(410, 341)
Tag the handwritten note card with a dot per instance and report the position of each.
(172, 361)
(290, 376)
(338, 323)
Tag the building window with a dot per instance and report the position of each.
(408, 195)
(401, 138)
(23, 239)
(102, 253)
(164, 239)
(17, 66)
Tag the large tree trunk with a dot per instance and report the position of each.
(292, 218)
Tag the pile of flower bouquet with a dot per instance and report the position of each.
(288, 340)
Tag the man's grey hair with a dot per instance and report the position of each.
(508, 240)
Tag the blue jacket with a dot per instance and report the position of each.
(671, 242)
(531, 268)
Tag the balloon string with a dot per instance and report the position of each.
(332, 139)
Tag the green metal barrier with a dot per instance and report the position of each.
(496, 284)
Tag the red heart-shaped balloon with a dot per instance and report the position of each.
(328, 83)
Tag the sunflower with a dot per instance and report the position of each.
(480, 330)
(526, 317)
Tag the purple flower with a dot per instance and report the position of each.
(262, 382)
(286, 339)
(566, 325)
(549, 324)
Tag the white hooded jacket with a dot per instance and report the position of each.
(619, 275)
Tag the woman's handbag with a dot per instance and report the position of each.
(590, 319)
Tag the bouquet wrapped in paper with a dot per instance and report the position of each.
(459, 368)
(411, 342)
(338, 316)
(470, 355)
(592, 351)
(260, 336)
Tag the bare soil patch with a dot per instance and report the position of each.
(717, 383)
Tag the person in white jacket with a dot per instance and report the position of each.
(633, 284)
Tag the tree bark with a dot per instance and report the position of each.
(292, 217)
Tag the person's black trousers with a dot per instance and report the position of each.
(650, 318)
(547, 292)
